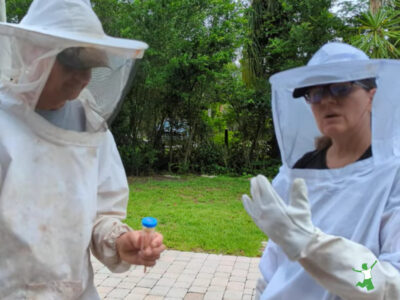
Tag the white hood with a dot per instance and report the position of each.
(294, 122)
(28, 52)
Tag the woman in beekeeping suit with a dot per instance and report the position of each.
(341, 239)
(63, 189)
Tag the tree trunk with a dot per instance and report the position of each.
(374, 5)
(171, 143)
(189, 145)
(3, 16)
(260, 123)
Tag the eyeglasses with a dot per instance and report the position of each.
(337, 90)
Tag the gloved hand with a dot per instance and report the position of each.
(288, 226)
(291, 228)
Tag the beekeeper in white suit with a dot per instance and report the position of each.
(63, 189)
(350, 216)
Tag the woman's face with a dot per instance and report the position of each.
(338, 116)
(64, 83)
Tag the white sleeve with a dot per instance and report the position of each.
(112, 199)
(330, 259)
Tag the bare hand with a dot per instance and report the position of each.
(129, 248)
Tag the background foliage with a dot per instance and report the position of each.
(200, 101)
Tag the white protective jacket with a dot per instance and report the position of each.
(357, 208)
(62, 192)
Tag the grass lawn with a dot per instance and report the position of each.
(197, 213)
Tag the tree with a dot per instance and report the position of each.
(378, 33)
(282, 34)
(16, 9)
(190, 44)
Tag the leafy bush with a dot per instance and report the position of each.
(208, 158)
(138, 160)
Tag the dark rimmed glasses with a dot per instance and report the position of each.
(337, 90)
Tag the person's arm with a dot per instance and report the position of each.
(338, 277)
(344, 254)
(114, 243)
(357, 270)
(328, 259)
(112, 199)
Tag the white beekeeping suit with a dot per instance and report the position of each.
(62, 191)
(355, 210)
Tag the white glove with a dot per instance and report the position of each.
(288, 226)
(328, 259)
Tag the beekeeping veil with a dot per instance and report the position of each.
(294, 122)
(69, 31)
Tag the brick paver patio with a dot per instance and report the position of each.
(182, 275)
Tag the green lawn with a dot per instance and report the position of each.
(197, 213)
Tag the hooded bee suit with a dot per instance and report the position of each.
(355, 210)
(62, 191)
